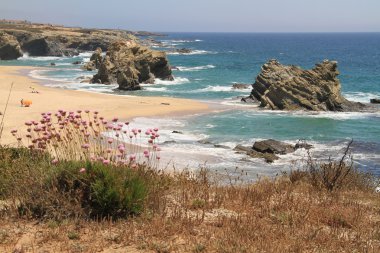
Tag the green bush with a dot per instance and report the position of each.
(44, 190)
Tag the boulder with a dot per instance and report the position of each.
(96, 57)
(268, 157)
(303, 145)
(240, 86)
(184, 51)
(9, 47)
(273, 146)
(89, 66)
(284, 87)
(129, 64)
(375, 101)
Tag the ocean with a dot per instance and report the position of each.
(217, 61)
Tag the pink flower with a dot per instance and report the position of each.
(96, 112)
(86, 146)
(115, 119)
(82, 170)
(109, 140)
(146, 152)
(79, 111)
(127, 123)
(156, 129)
(106, 162)
(54, 161)
(87, 111)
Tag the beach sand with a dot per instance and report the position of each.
(53, 99)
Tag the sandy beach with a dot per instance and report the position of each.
(51, 99)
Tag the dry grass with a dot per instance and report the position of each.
(188, 212)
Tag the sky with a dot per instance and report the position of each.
(202, 15)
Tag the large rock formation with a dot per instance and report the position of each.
(282, 87)
(49, 40)
(9, 47)
(129, 64)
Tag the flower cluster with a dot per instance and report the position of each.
(86, 135)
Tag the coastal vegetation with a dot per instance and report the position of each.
(76, 181)
(75, 190)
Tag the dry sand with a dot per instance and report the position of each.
(52, 99)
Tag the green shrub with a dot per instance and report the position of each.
(44, 190)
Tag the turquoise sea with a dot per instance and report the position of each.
(220, 59)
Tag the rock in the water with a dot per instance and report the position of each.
(95, 60)
(52, 64)
(9, 47)
(221, 146)
(273, 146)
(282, 87)
(268, 157)
(129, 64)
(375, 101)
(304, 145)
(240, 86)
(183, 51)
(249, 100)
(77, 63)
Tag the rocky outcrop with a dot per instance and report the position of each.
(95, 60)
(129, 64)
(283, 87)
(49, 40)
(240, 86)
(270, 149)
(9, 47)
(273, 147)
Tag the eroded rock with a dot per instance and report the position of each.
(9, 47)
(129, 64)
(288, 87)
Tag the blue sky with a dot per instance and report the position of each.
(203, 15)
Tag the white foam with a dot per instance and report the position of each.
(26, 57)
(219, 88)
(64, 64)
(156, 89)
(86, 54)
(194, 52)
(363, 97)
(336, 115)
(198, 68)
(176, 81)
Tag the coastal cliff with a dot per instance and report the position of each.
(288, 87)
(54, 40)
(129, 64)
